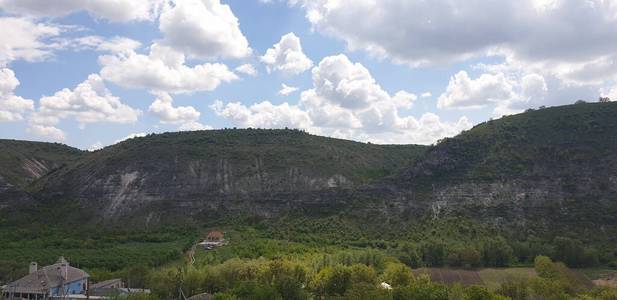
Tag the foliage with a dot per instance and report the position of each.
(107, 253)
(17, 158)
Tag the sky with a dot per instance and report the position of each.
(90, 73)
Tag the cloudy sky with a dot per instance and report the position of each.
(91, 72)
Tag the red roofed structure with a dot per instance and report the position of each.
(216, 236)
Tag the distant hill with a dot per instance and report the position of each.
(548, 169)
(564, 141)
(203, 173)
(22, 163)
(550, 166)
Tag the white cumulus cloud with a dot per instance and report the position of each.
(50, 132)
(112, 45)
(194, 126)
(286, 56)
(204, 29)
(131, 136)
(24, 39)
(263, 114)
(12, 107)
(89, 102)
(163, 69)
(346, 102)
(425, 32)
(114, 10)
(164, 110)
(287, 90)
(464, 92)
(247, 69)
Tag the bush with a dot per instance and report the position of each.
(433, 254)
(481, 293)
(255, 291)
(516, 290)
(496, 253)
(397, 275)
(332, 281)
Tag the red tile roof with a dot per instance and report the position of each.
(215, 235)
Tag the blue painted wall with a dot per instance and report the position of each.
(72, 288)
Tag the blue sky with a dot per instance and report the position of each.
(90, 73)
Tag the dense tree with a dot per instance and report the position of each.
(433, 253)
(410, 256)
(332, 280)
(421, 289)
(363, 274)
(516, 290)
(481, 293)
(398, 275)
(256, 291)
(496, 253)
(544, 267)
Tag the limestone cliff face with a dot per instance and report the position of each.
(11, 197)
(521, 202)
(194, 186)
(193, 176)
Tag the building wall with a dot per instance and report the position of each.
(75, 287)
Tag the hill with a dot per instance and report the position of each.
(555, 168)
(196, 175)
(22, 163)
(538, 172)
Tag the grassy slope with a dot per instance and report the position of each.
(14, 155)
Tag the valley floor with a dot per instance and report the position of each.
(329, 258)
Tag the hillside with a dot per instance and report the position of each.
(551, 142)
(549, 166)
(22, 163)
(539, 171)
(207, 173)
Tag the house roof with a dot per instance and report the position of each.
(105, 284)
(204, 296)
(46, 278)
(215, 235)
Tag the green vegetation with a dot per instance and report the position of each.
(275, 150)
(21, 162)
(330, 258)
(563, 142)
(98, 250)
(283, 278)
(524, 252)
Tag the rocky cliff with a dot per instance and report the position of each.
(196, 175)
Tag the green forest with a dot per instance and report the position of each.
(329, 258)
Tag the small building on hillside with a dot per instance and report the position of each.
(57, 281)
(213, 240)
(216, 236)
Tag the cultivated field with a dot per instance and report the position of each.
(493, 278)
(451, 276)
